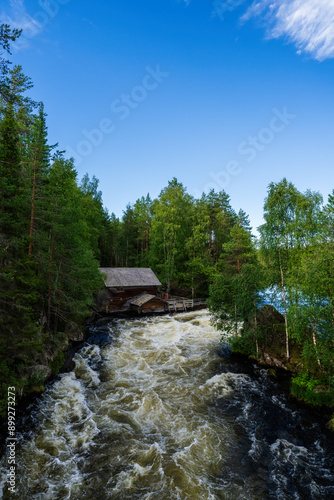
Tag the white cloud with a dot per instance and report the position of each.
(18, 17)
(309, 24)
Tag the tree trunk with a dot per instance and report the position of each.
(285, 307)
(314, 339)
(32, 206)
(332, 305)
(147, 236)
(256, 339)
(50, 281)
(59, 301)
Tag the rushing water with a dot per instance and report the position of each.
(158, 414)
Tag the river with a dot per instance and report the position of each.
(159, 414)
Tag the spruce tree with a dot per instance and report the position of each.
(10, 174)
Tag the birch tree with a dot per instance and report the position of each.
(278, 238)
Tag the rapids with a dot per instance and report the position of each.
(159, 414)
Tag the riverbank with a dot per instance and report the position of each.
(286, 374)
(99, 331)
(263, 340)
(94, 332)
(160, 409)
(58, 359)
(283, 377)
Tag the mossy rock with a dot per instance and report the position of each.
(57, 362)
(267, 316)
(270, 325)
(36, 389)
(330, 424)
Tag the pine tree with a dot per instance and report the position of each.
(143, 216)
(7, 35)
(70, 270)
(39, 160)
(10, 174)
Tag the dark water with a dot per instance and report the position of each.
(158, 414)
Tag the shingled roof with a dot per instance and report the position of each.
(129, 277)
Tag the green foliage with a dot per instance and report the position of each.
(169, 232)
(311, 390)
(7, 379)
(57, 362)
(50, 233)
(211, 220)
(297, 264)
(7, 35)
(10, 174)
(55, 233)
(36, 379)
(235, 293)
(179, 237)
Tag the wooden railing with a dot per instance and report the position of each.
(180, 304)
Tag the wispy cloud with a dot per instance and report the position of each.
(309, 24)
(17, 16)
(88, 21)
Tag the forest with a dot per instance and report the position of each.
(55, 233)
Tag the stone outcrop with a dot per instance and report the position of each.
(268, 360)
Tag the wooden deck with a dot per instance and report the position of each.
(180, 304)
(170, 305)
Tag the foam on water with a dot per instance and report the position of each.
(159, 415)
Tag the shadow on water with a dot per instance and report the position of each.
(283, 448)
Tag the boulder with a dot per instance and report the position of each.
(271, 324)
(271, 361)
(267, 316)
(43, 371)
(75, 336)
(102, 300)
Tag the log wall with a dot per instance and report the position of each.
(118, 298)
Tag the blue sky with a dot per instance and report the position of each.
(220, 94)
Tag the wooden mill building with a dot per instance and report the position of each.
(132, 288)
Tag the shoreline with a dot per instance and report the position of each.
(95, 331)
(283, 376)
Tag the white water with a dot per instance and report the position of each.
(141, 419)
